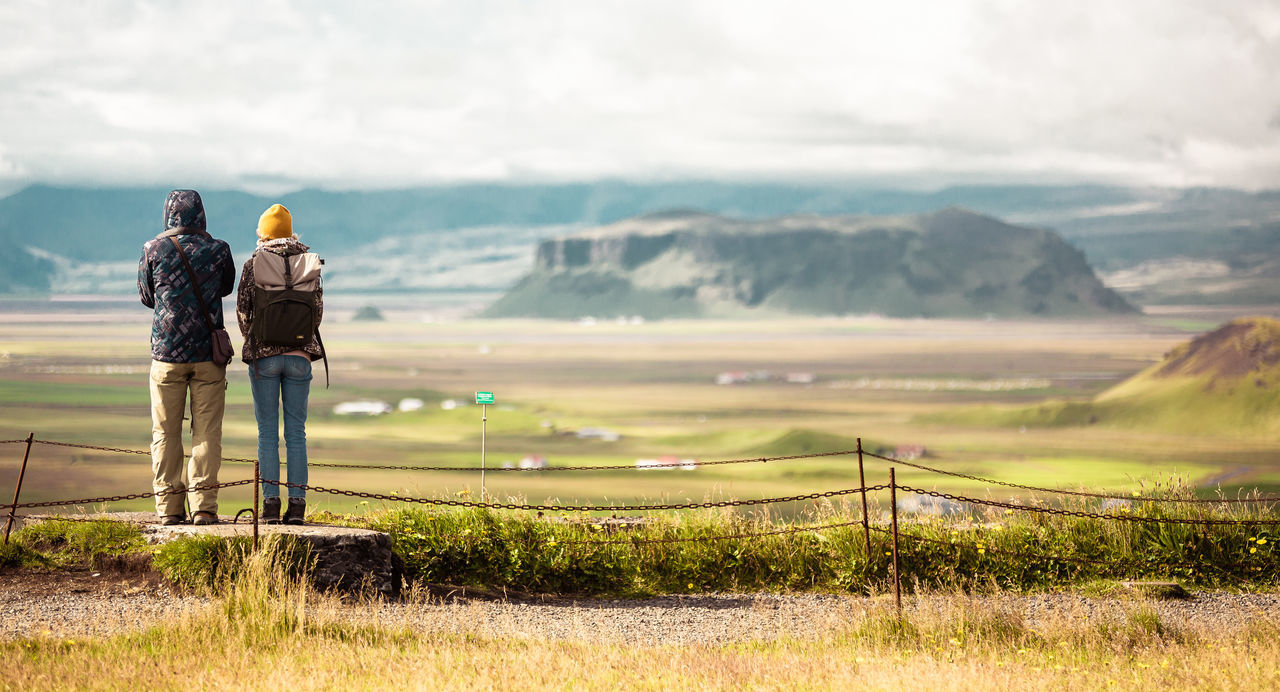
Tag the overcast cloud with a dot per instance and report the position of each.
(341, 94)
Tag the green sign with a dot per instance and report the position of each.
(484, 397)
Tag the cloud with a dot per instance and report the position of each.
(401, 93)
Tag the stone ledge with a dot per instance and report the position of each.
(346, 559)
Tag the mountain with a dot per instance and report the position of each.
(1155, 245)
(1224, 382)
(23, 272)
(948, 263)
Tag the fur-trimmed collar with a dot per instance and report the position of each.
(284, 246)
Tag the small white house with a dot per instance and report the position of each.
(598, 434)
(666, 462)
(362, 408)
(411, 404)
(534, 461)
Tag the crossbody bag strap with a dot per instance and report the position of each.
(195, 285)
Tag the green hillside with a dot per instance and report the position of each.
(1225, 382)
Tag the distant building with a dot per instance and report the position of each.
(909, 452)
(800, 377)
(410, 404)
(598, 434)
(667, 462)
(534, 461)
(733, 377)
(450, 404)
(362, 408)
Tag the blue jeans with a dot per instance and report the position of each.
(274, 380)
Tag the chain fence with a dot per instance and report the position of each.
(120, 498)
(401, 467)
(1076, 493)
(863, 491)
(1132, 497)
(576, 508)
(1088, 515)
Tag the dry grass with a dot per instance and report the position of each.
(268, 632)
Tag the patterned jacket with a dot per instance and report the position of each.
(179, 333)
(285, 247)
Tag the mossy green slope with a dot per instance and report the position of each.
(1224, 382)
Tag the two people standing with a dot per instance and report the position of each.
(183, 275)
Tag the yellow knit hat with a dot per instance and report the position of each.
(275, 223)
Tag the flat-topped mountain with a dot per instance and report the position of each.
(950, 263)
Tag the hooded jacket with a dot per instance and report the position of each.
(252, 350)
(179, 333)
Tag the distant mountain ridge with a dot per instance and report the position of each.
(949, 263)
(1157, 245)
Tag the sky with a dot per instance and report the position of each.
(273, 95)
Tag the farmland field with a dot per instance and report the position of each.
(80, 375)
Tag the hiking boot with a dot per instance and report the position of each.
(296, 511)
(172, 519)
(271, 510)
(204, 518)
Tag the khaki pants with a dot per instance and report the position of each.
(169, 385)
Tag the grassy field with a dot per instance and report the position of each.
(267, 631)
(82, 378)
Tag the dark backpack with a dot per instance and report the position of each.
(284, 300)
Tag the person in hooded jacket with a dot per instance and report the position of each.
(280, 377)
(182, 357)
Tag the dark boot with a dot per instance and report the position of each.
(296, 511)
(271, 510)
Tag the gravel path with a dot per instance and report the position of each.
(729, 618)
(54, 604)
(87, 606)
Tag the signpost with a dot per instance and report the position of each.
(484, 399)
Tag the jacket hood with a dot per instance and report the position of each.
(184, 209)
(284, 247)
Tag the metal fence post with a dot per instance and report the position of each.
(862, 482)
(257, 482)
(17, 489)
(897, 578)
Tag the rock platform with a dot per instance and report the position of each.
(346, 559)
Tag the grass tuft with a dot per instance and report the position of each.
(78, 544)
(211, 564)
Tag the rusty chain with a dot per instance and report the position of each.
(617, 467)
(1077, 493)
(83, 519)
(394, 467)
(698, 464)
(1090, 515)
(117, 450)
(134, 496)
(575, 508)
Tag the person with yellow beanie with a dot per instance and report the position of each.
(279, 375)
(275, 223)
